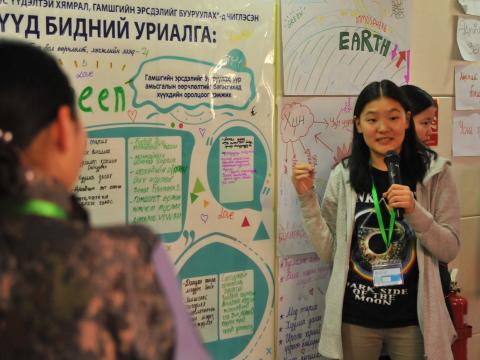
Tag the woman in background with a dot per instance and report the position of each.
(67, 290)
(424, 111)
(385, 287)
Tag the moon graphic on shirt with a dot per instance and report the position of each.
(372, 249)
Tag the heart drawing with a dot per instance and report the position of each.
(132, 114)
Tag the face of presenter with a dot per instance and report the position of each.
(382, 124)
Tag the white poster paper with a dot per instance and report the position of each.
(313, 130)
(153, 166)
(467, 87)
(237, 301)
(466, 133)
(101, 185)
(471, 7)
(237, 169)
(468, 38)
(201, 299)
(336, 47)
(303, 282)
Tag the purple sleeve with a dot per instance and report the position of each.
(188, 344)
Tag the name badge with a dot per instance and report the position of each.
(387, 274)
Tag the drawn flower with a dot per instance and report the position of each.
(342, 152)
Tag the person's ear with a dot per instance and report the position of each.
(63, 129)
(357, 124)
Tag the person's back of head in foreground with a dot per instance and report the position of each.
(67, 290)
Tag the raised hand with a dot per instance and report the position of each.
(303, 177)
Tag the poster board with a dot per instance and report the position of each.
(466, 133)
(312, 130)
(303, 282)
(467, 87)
(177, 102)
(337, 47)
(316, 131)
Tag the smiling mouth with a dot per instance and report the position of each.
(384, 140)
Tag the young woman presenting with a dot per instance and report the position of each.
(385, 288)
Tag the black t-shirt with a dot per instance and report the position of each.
(367, 305)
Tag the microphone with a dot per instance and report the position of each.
(392, 160)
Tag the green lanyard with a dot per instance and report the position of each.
(376, 203)
(42, 208)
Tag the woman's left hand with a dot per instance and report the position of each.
(400, 197)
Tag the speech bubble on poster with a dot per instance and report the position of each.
(168, 82)
(228, 300)
(146, 166)
(237, 168)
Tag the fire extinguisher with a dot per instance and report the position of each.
(459, 307)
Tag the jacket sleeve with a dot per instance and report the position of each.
(129, 312)
(320, 223)
(438, 230)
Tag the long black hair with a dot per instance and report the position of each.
(414, 156)
(32, 88)
(418, 99)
